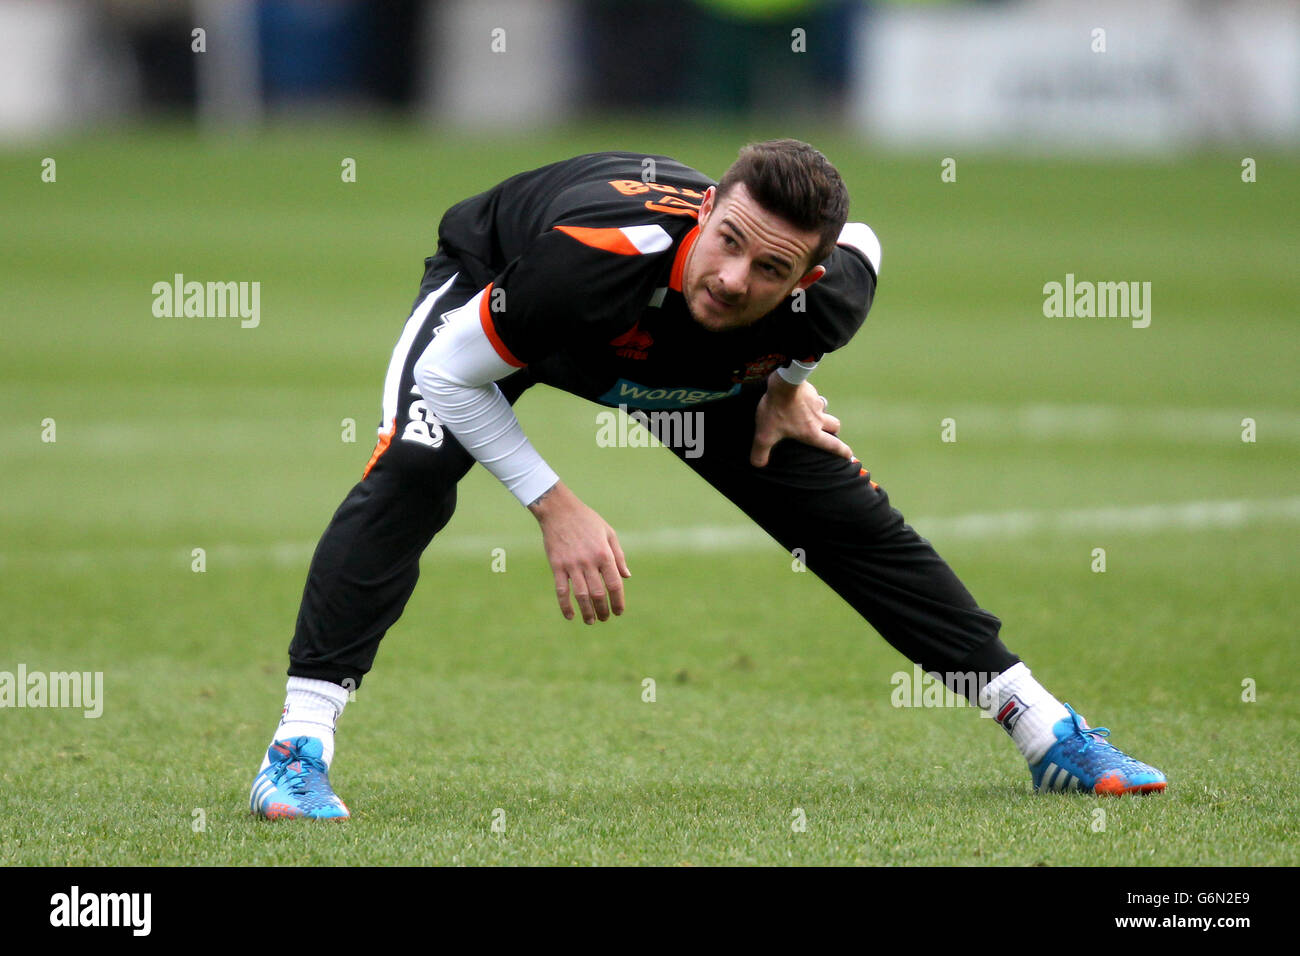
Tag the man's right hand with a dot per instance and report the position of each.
(584, 550)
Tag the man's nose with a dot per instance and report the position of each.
(732, 277)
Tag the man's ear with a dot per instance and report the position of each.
(706, 204)
(810, 277)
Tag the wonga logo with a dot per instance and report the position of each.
(643, 396)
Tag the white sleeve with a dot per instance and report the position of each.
(860, 236)
(457, 375)
(796, 373)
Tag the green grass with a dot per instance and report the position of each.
(772, 695)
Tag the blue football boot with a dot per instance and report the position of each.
(296, 784)
(1081, 759)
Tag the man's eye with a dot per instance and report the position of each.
(728, 241)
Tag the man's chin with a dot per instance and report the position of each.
(716, 320)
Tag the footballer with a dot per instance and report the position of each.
(638, 282)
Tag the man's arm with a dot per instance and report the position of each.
(791, 407)
(582, 549)
(794, 411)
(457, 375)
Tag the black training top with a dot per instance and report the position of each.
(583, 261)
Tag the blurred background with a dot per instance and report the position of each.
(166, 477)
(1051, 73)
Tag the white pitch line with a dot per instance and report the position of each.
(1082, 422)
(1188, 516)
(1026, 422)
(703, 539)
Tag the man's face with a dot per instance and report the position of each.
(744, 262)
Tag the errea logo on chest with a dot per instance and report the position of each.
(633, 344)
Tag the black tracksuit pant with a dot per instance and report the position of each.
(367, 562)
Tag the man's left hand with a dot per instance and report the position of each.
(794, 411)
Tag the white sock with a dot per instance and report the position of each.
(311, 709)
(1024, 709)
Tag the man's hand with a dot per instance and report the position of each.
(582, 549)
(794, 411)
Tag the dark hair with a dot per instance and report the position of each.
(791, 179)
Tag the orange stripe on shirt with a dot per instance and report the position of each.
(609, 239)
(490, 330)
(679, 261)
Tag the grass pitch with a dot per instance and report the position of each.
(772, 698)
